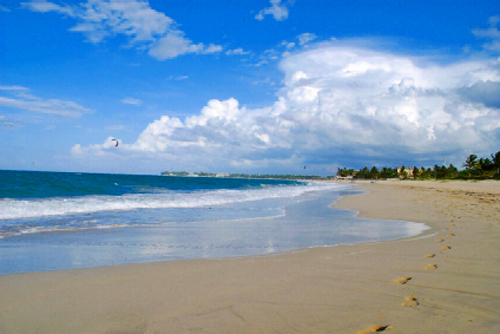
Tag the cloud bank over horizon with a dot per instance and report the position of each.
(338, 103)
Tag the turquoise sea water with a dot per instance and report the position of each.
(52, 221)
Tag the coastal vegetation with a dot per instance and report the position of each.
(473, 168)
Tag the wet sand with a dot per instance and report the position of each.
(444, 281)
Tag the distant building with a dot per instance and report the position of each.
(348, 177)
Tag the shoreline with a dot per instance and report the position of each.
(334, 289)
(286, 224)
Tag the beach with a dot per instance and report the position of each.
(446, 280)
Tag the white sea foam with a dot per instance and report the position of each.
(27, 208)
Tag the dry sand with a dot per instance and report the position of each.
(364, 288)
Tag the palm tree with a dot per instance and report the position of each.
(471, 163)
(438, 171)
(485, 164)
(364, 173)
(452, 172)
(495, 159)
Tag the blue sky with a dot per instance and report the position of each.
(246, 86)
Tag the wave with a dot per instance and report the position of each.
(57, 206)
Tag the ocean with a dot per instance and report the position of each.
(56, 221)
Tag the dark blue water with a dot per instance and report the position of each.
(27, 184)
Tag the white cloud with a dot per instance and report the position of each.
(131, 100)
(491, 33)
(306, 37)
(268, 56)
(14, 88)
(212, 48)
(284, 48)
(339, 102)
(173, 45)
(97, 149)
(237, 51)
(44, 6)
(20, 98)
(180, 77)
(278, 10)
(288, 45)
(144, 27)
(76, 150)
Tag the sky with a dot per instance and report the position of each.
(252, 86)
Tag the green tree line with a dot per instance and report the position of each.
(473, 168)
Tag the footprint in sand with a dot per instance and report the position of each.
(410, 302)
(375, 329)
(451, 225)
(445, 248)
(440, 240)
(431, 266)
(403, 280)
(430, 255)
(451, 234)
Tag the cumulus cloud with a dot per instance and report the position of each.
(97, 149)
(144, 27)
(20, 98)
(278, 10)
(486, 92)
(340, 102)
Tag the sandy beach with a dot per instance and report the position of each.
(446, 280)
